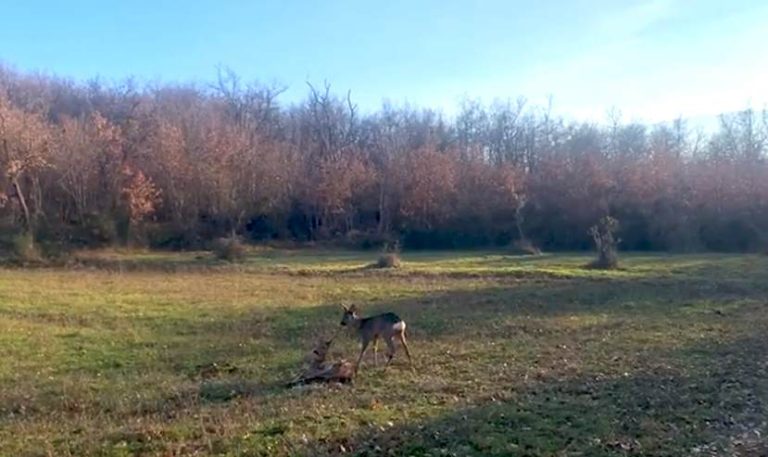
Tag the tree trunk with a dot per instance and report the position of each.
(519, 219)
(382, 211)
(23, 204)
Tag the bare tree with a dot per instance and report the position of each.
(24, 150)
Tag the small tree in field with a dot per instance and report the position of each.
(606, 242)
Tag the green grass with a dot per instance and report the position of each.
(513, 356)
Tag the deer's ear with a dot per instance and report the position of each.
(344, 307)
(353, 308)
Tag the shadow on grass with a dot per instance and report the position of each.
(524, 312)
(716, 407)
(485, 308)
(439, 314)
(711, 403)
(721, 396)
(521, 312)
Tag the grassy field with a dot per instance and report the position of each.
(513, 356)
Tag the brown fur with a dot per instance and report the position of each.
(317, 370)
(386, 326)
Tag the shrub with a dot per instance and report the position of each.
(99, 229)
(525, 247)
(388, 260)
(24, 249)
(390, 256)
(603, 234)
(93, 230)
(173, 236)
(230, 249)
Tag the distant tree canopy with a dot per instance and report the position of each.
(176, 166)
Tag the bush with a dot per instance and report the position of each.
(230, 249)
(24, 249)
(93, 230)
(99, 229)
(390, 256)
(173, 236)
(525, 247)
(603, 234)
(388, 260)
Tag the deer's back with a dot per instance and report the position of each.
(382, 324)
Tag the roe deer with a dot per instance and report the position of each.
(316, 369)
(386, 326)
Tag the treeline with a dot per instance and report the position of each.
(176, 166)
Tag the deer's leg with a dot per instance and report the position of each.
(363, 347)
(376, 351)
(401, 337)
(390, 349)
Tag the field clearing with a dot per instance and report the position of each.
(513, 356)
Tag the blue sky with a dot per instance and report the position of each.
(652, 59)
